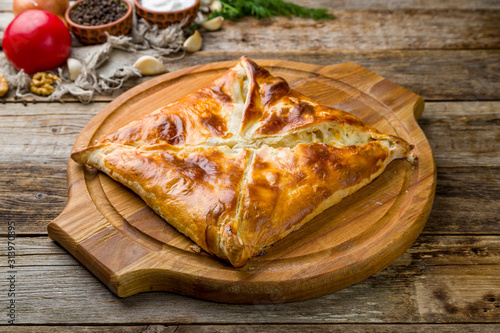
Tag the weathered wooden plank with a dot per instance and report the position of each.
(467, 200)
(32, 196)
(461, 134)
(393, 4)
(88, 329)
(60, 295)
(35, 146)
(435, 75)
(453, 279)
(6, 5)
(375, 29)
(455, 294)
(436, 274)
(409, 29)
(42, 134)
(352, 328)
(428, 250)
(356, 328)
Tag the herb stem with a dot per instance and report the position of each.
(235, 9)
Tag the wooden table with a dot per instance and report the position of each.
(448, 281)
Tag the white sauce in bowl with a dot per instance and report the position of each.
(167, 5)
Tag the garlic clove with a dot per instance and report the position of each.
(193, 43)
(74, 68)
(149, 65)
(216, 6)
(4, 85)
(213, 24)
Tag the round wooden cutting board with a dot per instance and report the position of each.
(129, 248)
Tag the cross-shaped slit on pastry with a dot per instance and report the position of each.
(240, 164)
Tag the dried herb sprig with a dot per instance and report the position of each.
(235, 9)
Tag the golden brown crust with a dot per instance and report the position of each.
(240, 164)
(285, 186)
(191, 120)
(276, 109)
(179, 184)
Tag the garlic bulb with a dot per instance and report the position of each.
(149, 65)
(193, 43)
(213, 24)
(74, 68)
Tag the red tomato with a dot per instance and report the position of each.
(36, 41)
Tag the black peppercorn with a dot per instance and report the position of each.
(95, 12)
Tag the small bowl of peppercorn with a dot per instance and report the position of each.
(89, 20)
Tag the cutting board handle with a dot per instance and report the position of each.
(418, 108)
(120, 240)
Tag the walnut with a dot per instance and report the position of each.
(41, 84)
(4, 85)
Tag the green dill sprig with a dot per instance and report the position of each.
(235, 9)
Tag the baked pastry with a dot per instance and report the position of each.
(240, 164)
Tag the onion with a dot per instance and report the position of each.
(57, 7)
